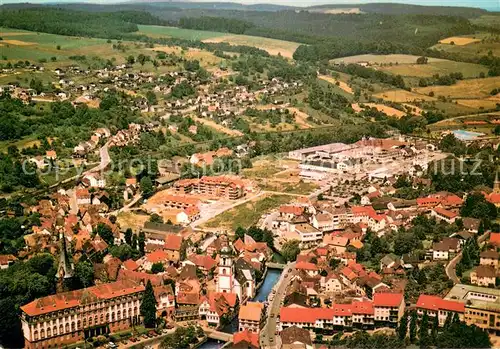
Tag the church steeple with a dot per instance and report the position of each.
(496, 184)
(65, 267)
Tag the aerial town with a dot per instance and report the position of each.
(172, 178)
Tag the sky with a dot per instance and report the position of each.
(492, 5)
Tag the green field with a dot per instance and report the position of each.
(247, 214)
(273, 46)
(469, 70)
(173, 32)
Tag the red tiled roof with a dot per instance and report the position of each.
(157, 256)
(206, 262)
(495, 238)
(342, 309)
(292, 209)
(246, 336)
(365, 307)
(428, 201)
(445, 213)
(173, 242)
(306, 266)
(73, 299)
(305, 315)
(363, 210)
(436, 303)
(387, 299)
(130, 264)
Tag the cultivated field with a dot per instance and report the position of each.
(459, 40)
(389, 111)
(402, 96)
(207, 59)
(273, 46)
(469, 70)
(382, 59)
(470, 89)
(487, 103)
(339, 83)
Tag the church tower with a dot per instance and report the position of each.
(496, 184)
(65, 267)
(225, 279)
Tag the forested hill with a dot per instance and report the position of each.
(76, 23)
(406, 9)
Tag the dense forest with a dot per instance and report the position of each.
(76, 23)
(224, 25)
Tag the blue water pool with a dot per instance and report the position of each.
(467, 135)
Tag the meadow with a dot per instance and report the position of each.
(470, 89)
(273, 46)
(469, 70)
(382, 59)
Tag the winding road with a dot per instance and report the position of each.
(450, 268)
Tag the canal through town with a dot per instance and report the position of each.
(272, 277)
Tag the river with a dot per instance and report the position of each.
(272, 277)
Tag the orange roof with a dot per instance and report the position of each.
(206, 262)
(82, 193)
(363, 210)
(239, 245)
(131, 181)
(365, 307)
(306, 315)
(251, 311)
(173, 242)
(130, 264)
(445, 213)
(387, 299)
(495, 238)
(157, 256)
(493, 198)
(248, 337)
(73, 299)
(342, 309)
(306, 266)
(292, 209)
(428, 201)
(192, 211)
(436, 303)
(452, 200)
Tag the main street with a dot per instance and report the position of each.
(268, 333)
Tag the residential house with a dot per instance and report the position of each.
(483, 275)
(444, 215)
(442, 308)
(251, 317)
(295, 337)
(489, 257)
(445, 249)
(388, 308)
(245, 340)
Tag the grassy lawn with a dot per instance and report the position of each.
(247, 214)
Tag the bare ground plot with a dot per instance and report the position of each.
(469, 70)
(273, 46)
(218, 127)
(459, 40)
(403, 96)
(247, 214)
(344, 86)
(132, 220)
(471, 89)
(382, 59)
(389, 111)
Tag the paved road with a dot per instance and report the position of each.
(268, 333)
(451, 266)
(105, 159)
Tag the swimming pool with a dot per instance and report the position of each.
(467, 135)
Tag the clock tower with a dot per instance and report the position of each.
(225, 279)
